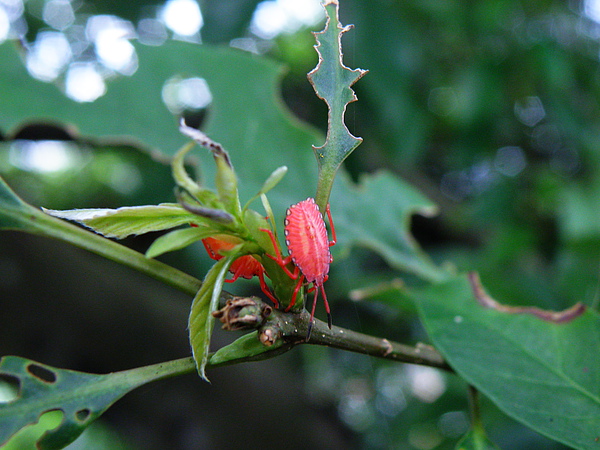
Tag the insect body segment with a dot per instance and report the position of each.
(308, 246)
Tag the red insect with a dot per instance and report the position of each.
(245, 266)
(308, 246)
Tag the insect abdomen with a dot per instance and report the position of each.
(307, 240)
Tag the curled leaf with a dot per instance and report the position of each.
(226, 179)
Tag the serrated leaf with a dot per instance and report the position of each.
(129, 220)
(176, 240)
(332, 82)
(539, 367)
(82, 397)
(201, 321)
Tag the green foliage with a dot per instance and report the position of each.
(380, 221)
(247, 347)
(201, 321)
(530, 362)
(448, 86)
(13, 211)
(81, 397)
(476, 439)
(332, 82)
(127, 221)
(176, 240)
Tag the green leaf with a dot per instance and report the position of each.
(226, 179)
(269, 184)
(183, 179)
(247, 347)
(476, 439)
(376, 215)
(14, 213)
(332, 82)
(82, 397)
(176, 240)
(126, 221)
(539, 367)
(201, 321)
(263, 136)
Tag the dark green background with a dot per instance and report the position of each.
(534, 237)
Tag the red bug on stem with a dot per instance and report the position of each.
(308, 246)
(245, 266)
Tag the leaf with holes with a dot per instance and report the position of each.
(82, 397)
(540, 367)
(332, 82)
(201, 321)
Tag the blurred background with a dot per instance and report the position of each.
(491, 109)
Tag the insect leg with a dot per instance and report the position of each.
(295, 294)
(333, 236)
(283, 262)
(329, 321)
(312, 315)
(266, 290)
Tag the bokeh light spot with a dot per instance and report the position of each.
(183, 17)
(84, 83)
(49, 55)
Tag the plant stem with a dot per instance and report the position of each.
(46, 225)
(474, 407)
(294, 328)
(349, 340)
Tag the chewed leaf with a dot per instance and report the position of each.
(201, 321)
(122, 222)
(81, 397)
(332, 82)
(176, 240)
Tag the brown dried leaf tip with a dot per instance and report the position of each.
(550, 316)
(243, 313)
